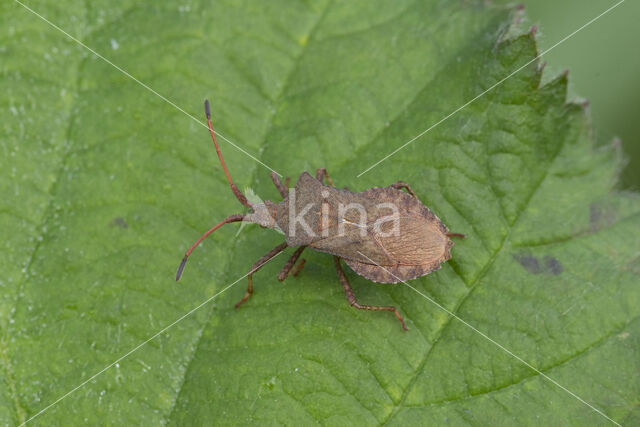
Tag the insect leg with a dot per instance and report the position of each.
(282, 189)
(298, 268)
(352, 298)
(255, 267)
(401, 184)
(287, 268)
(321, 174)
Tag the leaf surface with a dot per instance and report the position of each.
(104, 186)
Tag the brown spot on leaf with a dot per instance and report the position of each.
(553, 265)
(119, 222)
(533, 265)
(529, 262)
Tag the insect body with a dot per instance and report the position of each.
(384, 234)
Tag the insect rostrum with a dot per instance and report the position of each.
(384, 234)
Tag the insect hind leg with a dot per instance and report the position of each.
(348, 291)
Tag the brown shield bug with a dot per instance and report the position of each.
(383, 234)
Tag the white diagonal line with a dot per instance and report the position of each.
(488, 90)
(503, 348)
(165, 99)
(140, 345)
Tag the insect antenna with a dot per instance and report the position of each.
(227, 220)
(238, 193)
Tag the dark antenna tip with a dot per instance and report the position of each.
(181, 268)
(207, 109)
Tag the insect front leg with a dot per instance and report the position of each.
(352, 298)
(321, 174)
(282, 188)
(288, 267)
(400, 185)
(255, 267)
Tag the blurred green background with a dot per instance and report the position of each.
(604, 66)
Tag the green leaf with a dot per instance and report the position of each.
(104, 186)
